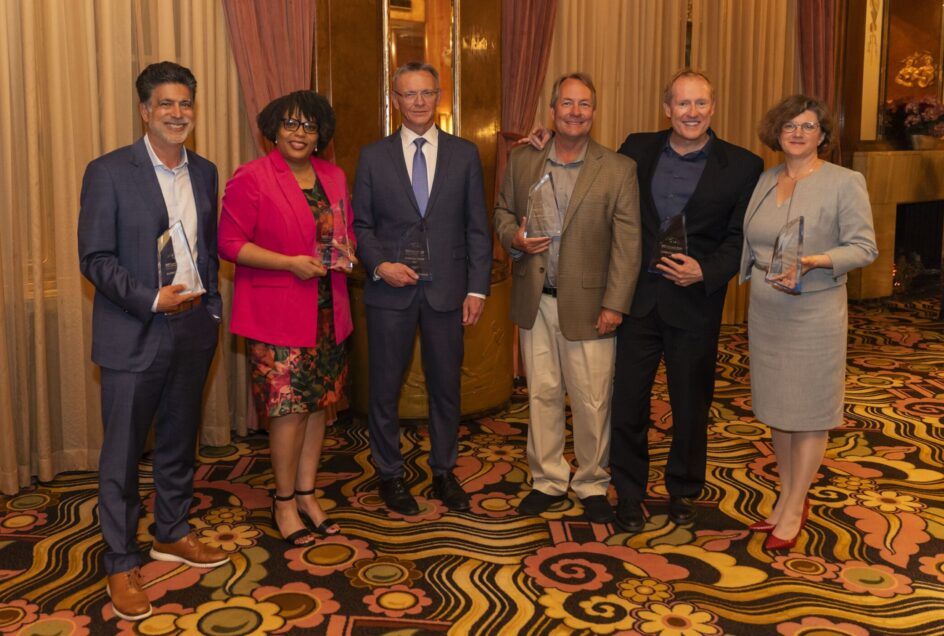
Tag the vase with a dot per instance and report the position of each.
(926, 142)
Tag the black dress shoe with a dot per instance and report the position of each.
(537, 502)
(681, 510)
(629, 516)
(596, 508)
(447, 489)
(397, 497)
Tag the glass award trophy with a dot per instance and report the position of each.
(413, 251)
(786, 269)
(672, 240)
(332, 245)
(175, 264)
(544, 219)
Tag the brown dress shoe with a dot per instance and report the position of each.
(127, 597)
(189, 550)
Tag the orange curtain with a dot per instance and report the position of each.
(816, 29)
(272, 44)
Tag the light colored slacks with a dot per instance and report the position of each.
(584, 370)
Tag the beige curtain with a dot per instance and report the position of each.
(749, 50)
(629, 49)
(67, 72)
(747, 47)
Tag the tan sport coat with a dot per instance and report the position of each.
(600, 243)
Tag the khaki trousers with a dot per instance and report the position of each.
(584, 371)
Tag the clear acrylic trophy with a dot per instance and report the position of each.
(544, 219)
(413, 251)
(175, 264)
(786, 269)
(334, 248)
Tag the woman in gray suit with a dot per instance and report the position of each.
(797, 326)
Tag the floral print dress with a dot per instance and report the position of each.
(289, 380)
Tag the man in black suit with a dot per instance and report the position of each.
(422, 233)
(676, 312)
(154, 341)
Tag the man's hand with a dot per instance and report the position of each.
(681, 269)
(538, 138)
(169, 297)
(529, 245)
(472, 310)
(608, 321)
(305, 267)
(397, 274)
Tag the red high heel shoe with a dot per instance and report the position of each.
(774, 542)
(766, 526)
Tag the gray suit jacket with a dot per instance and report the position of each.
(122, 214)
(837, 221)
(459, 240)
(600, 243)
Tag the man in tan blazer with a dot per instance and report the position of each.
(570, 293)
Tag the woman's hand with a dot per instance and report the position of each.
(305, 267)
(816, 261)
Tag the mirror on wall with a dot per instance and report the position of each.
(423, 31)
(902, 68)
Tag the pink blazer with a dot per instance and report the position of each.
(264, 205)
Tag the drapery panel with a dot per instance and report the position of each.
(274, 54)
(816, 31)
(67, 73)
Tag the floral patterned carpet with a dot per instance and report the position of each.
(870, 561)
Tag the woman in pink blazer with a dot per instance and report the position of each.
(291, 303)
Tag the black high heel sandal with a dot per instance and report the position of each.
(323, 528)
(294, 539)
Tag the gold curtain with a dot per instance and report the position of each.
(67, 74)
(750, 51)
(629, 49)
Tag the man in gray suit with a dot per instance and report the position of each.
(422, 233)
(569, 294)
(153, 341)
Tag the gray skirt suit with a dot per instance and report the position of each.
(797, 343)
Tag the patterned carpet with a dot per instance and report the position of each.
(871, 560)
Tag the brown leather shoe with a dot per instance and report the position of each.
(189, 550)
(127, 596)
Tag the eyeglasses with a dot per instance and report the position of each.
(412, 95)
(291, 125)
(807, 127)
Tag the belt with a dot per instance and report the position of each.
(763, 268)
(550, 291)
(187, 305)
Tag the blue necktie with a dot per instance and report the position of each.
(420, 179)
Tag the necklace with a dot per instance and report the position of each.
(803, 174)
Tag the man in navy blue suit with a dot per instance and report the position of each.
(422, 234)
(154, 342)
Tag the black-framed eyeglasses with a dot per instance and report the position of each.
(291, 125)
(807, 127)
(411, 96)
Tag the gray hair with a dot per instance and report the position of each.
(583, 78)
(416, 67)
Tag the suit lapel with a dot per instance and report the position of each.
(713, 173)
(647, 171)
(443, 157)
(395, 150)
(150, 187)
(300, 211)
(591, 167)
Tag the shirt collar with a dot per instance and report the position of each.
(552, 155)
(431, 136)
(701, 153)
(155, 161)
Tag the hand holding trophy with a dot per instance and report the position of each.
(333, 245)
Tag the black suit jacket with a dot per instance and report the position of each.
(385, 209)
(714, 217)
(122, 214)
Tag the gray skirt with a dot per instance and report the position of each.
(797, 350)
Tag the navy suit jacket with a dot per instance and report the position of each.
(122, 215)
(385, 209)
(714, 217)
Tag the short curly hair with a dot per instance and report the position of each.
(307, 104)
(771, 125)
